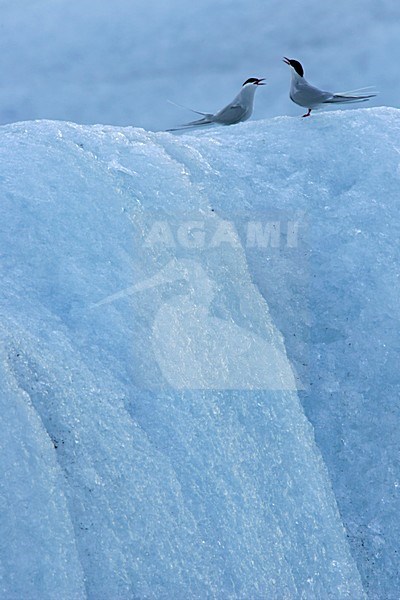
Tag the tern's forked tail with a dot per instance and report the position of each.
(348, 99)
(206, 120)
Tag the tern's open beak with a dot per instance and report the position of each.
(286, 60)
(260, 81)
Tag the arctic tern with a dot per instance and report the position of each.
(240, 109)
(306, 95)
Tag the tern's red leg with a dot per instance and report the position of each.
(308, 114)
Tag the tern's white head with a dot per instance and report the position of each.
(296, 67)
(249, 89)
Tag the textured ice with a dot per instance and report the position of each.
(130, 470)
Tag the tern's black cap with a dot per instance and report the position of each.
(253, 80)
(296, 66)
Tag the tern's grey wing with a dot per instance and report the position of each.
(231, 114)
(309, 96)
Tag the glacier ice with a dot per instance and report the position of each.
(146, 481)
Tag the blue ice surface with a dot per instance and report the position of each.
(159, 365)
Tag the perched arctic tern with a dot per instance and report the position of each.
(240, 109)
(305, 94)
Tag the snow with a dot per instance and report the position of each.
(147, 280)
(119, 62)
